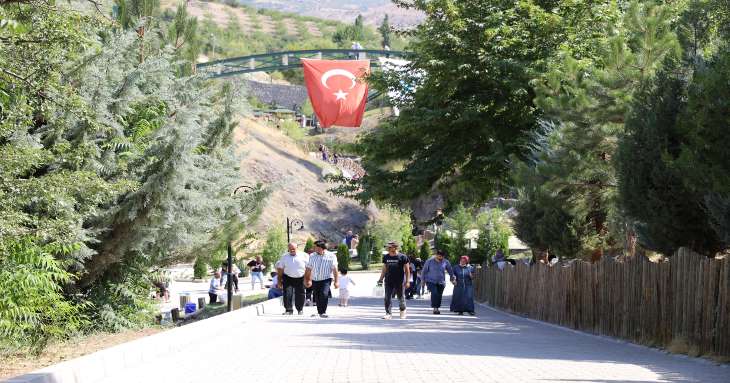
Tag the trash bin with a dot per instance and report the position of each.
(190, 308)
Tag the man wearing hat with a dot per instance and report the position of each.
(396, 272)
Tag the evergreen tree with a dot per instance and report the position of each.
(705, 159)
(343, 257)
(466, 100)
(384, 30)
(652, 190)
(309, 246)
(425, 252)
(589, 99)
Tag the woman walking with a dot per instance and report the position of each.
(463, 299)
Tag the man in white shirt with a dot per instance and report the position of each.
(320, 270)
(290, 271)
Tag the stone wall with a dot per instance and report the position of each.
(285, 96)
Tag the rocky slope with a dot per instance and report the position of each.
(296, 178)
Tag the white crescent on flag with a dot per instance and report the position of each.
(338, 72)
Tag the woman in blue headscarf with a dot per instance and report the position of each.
(463, 299)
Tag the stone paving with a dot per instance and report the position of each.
(355, 345)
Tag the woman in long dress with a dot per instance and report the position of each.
(463, 299)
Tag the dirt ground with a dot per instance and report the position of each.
(13, 365)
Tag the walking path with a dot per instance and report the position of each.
(355, 345)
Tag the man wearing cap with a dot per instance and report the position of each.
(320, 270)
(290, 270)
(396, 272)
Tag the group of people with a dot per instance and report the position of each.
(301, 277)
(401, 275)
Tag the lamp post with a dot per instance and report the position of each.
(229, 276)
(291, 225)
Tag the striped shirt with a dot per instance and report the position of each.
(322, 265)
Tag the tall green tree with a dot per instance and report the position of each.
(385, 32)
(588, 94)
(466, 99)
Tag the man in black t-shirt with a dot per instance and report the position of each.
(396, 272)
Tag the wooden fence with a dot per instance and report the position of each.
(685, 300)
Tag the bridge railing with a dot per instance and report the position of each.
(278, 61)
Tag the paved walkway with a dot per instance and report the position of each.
(354, 345)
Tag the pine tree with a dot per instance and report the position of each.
(343, 257)
(589, 100)
(384, 30)
(425, 252)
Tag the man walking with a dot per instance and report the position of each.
(290, 271)
(397, 272)
(433, 274)
(320, 270)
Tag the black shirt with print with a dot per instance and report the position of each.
(394, 273)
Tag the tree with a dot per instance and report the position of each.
(704, 158)
(343, 257)
(364, 251)
(274, 246)
(494, 233)
(586, 99)
(467, 100)
(309, 246)
(425, 252)
(458, 224)
(384, 30)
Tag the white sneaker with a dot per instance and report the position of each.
(387, 316)
(403, 314)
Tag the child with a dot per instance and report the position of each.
(345, 282)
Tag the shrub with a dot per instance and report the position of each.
(309, 246)
(200, 269)
(364, 251)
(425, 252)
(343, 257)
(33, 309)
(292, 129)
(274, 247)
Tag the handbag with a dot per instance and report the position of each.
(379, 291)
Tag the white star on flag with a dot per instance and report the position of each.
(340, 95)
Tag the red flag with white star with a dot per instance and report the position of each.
(337, 90)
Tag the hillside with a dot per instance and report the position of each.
(229, 29)
(299, 190)
(344, 10)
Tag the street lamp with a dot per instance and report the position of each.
(229, 279)
(291, 225)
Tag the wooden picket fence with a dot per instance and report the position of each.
(685, 300)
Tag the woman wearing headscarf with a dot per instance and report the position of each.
(463, 299)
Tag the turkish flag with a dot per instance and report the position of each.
(337, 90)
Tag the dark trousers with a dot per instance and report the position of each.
(293, 291)
(309, 292)
(437, 291)
(321, 290)
(213, 297)
(234, 278)
(397, 289)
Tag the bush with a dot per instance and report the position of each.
(33, 309)
(200, 269)
(274, 247)
(425, 252)
(410, 248)
(377, 252)
(309, 246)
(292, 129)
(343, 257)
(364, 251)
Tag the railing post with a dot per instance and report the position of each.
(319, 55)
(252, 63)
(285, 60)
